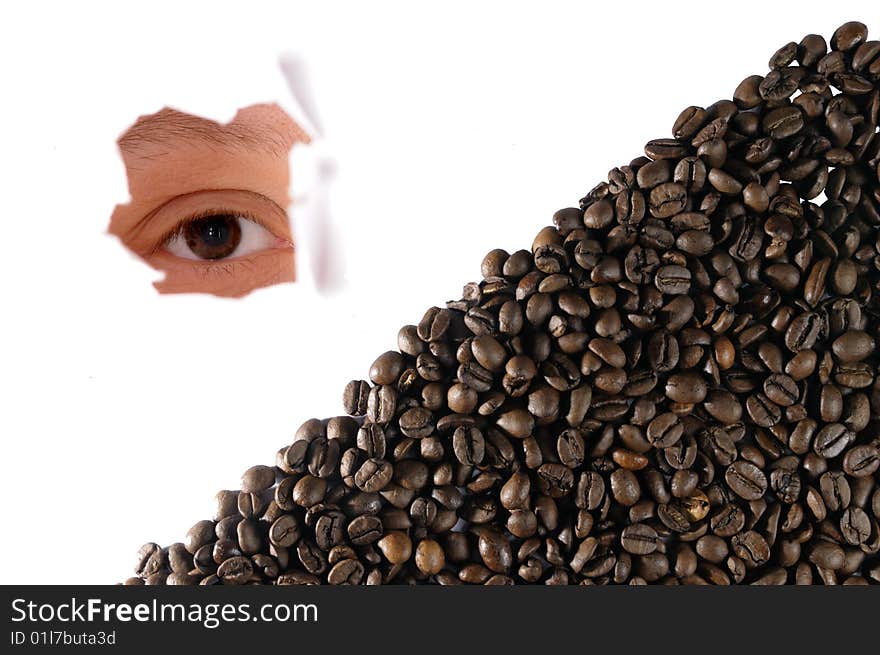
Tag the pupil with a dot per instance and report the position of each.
(215, 231)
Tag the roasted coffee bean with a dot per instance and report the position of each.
(828, 555)
(728, 521)
(381, 404)
(639, 539)
(257, 479)
(855, 526)
(590, 490)
(396, 547)
(517, 423)
(416, 422)
(689, 388)
(835, 490)
(515, 492)
(717, 444)
(853, 346)
(495, 550)
(387, 368)
(750, 547)
(284, 531)
(849, 35)
(781, 389)
(723, 406)
(570, 448)
(309, 491)
(373, 475)
(673, 280)
(371, 440)
(235, 570)
(665, 149)
(746, 480)
(831, 440)
(762, 410)
(665, 430)
(355, 396)
(346, 572)
(555, 480)
(862, 461)
(625, 487)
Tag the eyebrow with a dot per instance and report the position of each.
(171, 127)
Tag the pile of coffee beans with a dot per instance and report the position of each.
(676, 384)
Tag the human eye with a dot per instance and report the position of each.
(208, 200)
(220, 235)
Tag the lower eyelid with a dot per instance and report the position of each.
(232, 278)
(231, 265)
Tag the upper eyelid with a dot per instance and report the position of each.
(174, 212)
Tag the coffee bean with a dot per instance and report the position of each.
(849, 35)
(381, 404)
(855, 526)
(284, 531)
(746, 480)
(748, 240)
(257, 479)
(687, 388)
(853, 346)
(625, 487)
(723, 406)
(781, 389)
(469, 445)
(515, 492)
(673, 280)
(355, 396)
(828, 555)
(517, 423)
(832, 440)
(716, 442)
(198, 535)
(712, 548)
(570, 448)
(695, 506)
(396, 547)
(495, 550)
(783, 122)
(555, 480)
(728, 521)
(235, 570)
(599, 215)
(835, 490)
(665, 430)
(416, 422)
(861, 461)
(373, 475)
(309, 491)
(639, 539)
(387, 368)
(590, 490)
(429, 558)
(750, 547)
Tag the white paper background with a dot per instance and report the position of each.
(457, 127)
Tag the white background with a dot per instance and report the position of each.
(456, 128)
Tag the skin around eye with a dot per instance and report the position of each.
(207, 199)
(220, 236)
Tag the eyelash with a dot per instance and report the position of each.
(205, 213)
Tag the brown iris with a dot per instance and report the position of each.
(213, 237)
